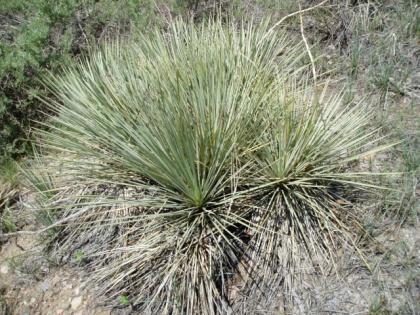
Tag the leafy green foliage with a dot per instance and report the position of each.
(78, 255)
(42, 36)
(123, 299)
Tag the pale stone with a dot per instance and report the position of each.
(4, 268)
(76, 302)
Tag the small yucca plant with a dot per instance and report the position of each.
(186, 157)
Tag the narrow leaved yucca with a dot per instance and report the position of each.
(186, 161)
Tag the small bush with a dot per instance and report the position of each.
(186, 158)
(41, 36)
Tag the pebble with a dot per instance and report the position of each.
(45, 286)
(76, 302)
(4, 268)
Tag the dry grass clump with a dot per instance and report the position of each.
(9, 195)
(190, 157)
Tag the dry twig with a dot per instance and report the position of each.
(291, 15)
(307, 46)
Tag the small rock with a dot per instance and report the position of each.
(45, 269)
(76, 302)
(77, 291)
(78, 313)
(4, 268)
(45, 286)
(59, 312)
(33, 300)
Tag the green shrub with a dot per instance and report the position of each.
(40, 36)
(183, 158)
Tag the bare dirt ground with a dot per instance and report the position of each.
(31, 284)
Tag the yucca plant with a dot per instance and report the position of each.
(302, 184)
(183, 159)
